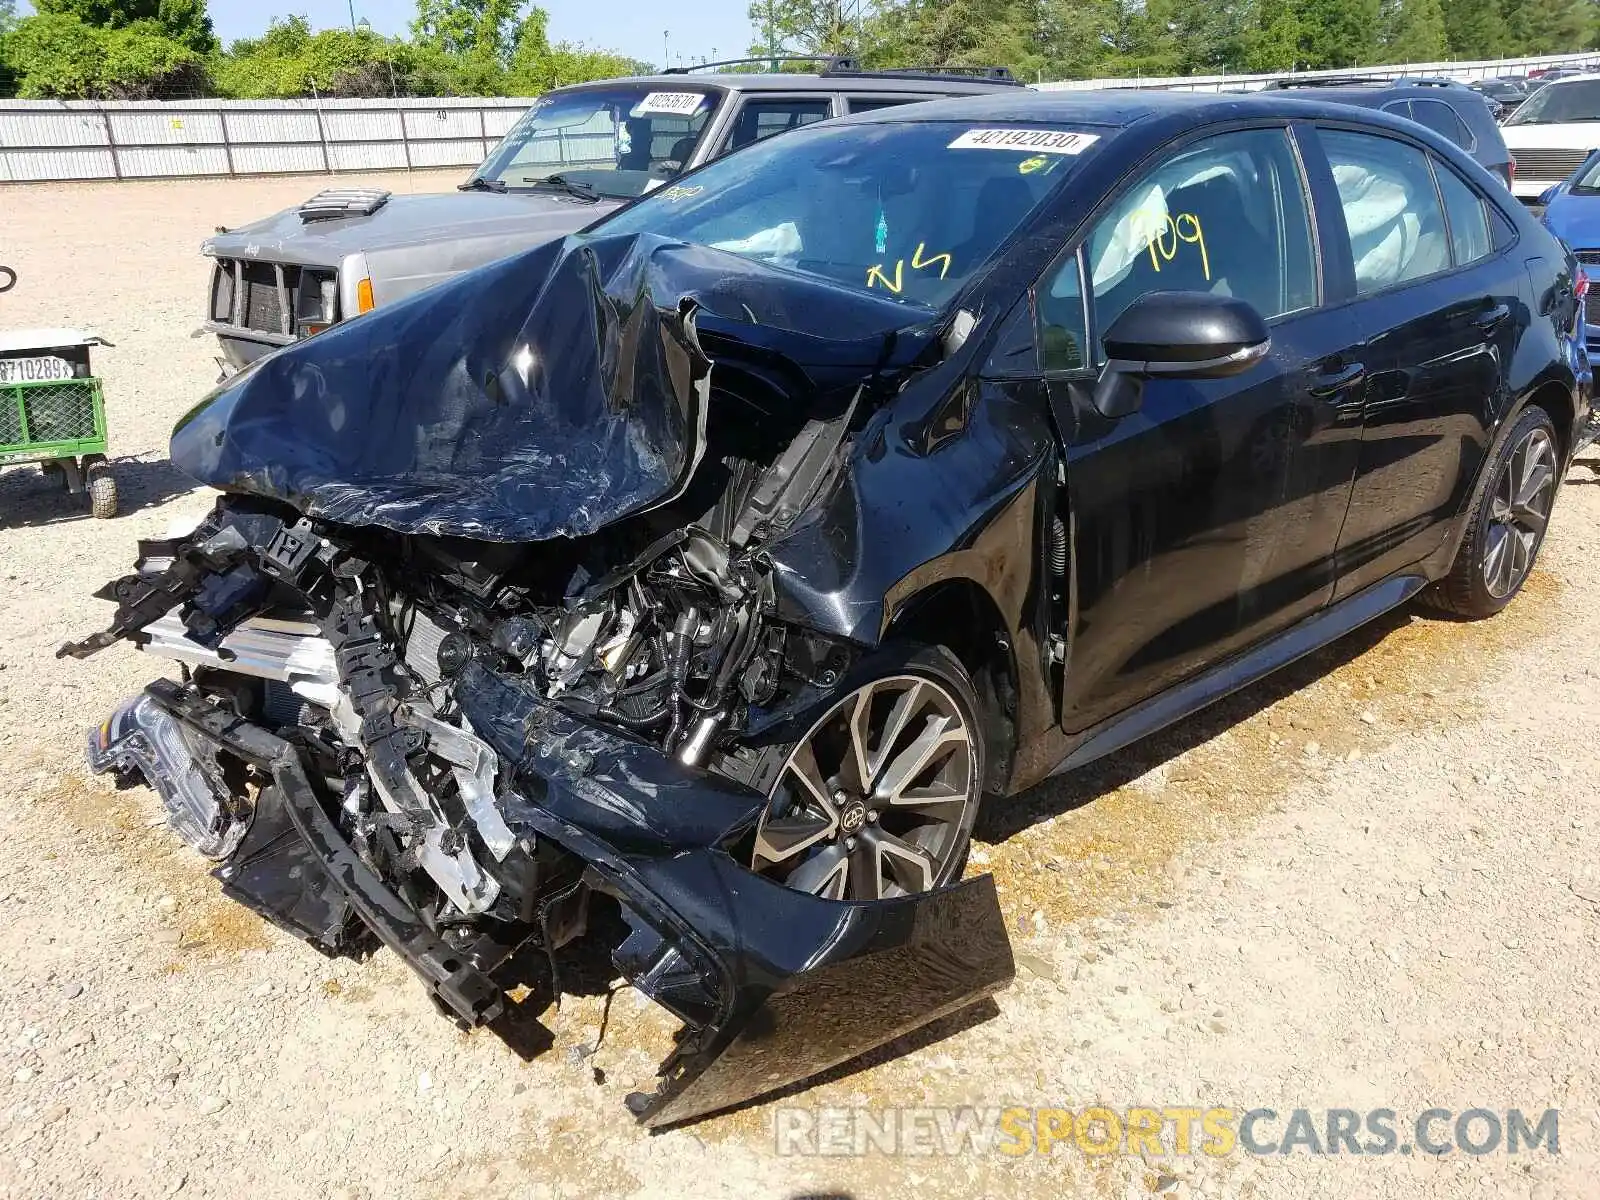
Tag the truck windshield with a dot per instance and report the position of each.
(619, 141)
(1559, 103)
(906, 210)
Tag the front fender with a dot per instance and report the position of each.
(933, 490)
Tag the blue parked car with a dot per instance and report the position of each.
(1572, 213)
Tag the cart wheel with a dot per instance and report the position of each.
(52, 470)
(102, 490)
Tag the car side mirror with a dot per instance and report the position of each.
(1549, 194)
(1176, 335)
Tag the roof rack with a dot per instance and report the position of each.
(765, 60)
(1293, 81)
(987, 74)
(842, 64)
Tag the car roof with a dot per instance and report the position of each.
(1121, 107)
(840, 81)
(1576, 77)
(1399, 89)
(1111, 106)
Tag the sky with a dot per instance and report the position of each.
(631, 27)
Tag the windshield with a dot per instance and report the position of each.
(1578, 100)
(1586, 179)
(618, 141)
(906, 210)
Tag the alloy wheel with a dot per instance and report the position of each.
(1519, 509)
(876, 800)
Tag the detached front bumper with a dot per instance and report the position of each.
(773, 985)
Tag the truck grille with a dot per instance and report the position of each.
(264, 307)
(1548, 164)
(263, 296)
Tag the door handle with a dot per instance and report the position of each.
(1327, 383)
(1487, 320)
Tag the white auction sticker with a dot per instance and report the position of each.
(1040, 141)
(677, 104)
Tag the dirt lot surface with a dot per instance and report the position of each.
(1369, 883)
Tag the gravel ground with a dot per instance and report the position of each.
(1369, 882)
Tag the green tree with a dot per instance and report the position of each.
(967, 33)
(1337, 33)
(1475, 29)
(291, 61)
(1073, 37)
(56, 56)
(802, 27)
(1549, 26)
(485, 29)
(1272, 41)
(184, 21)
(1412, 31)
(1194, 37)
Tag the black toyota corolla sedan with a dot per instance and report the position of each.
(688, 582)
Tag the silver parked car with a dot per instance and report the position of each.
(579, 153)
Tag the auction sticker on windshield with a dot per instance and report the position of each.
(34, 370)
(677, 104)
(1040, 141)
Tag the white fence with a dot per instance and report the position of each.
(78, 139)
(44, 140)
(1464, 71)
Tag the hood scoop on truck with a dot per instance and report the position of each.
(336, 203)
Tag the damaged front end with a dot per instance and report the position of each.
(455, 669)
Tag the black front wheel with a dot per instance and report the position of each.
(878, 798)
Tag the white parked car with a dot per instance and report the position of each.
(1552, 133)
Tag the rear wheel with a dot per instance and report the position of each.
(877, 800)
(1507, 526)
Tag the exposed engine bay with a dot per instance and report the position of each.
(446, 708)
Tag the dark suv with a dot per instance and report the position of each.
(1454, 111)
(710, 566)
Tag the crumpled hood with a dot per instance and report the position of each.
(513, 219)
(545, 395)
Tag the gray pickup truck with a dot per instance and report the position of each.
(579, 152)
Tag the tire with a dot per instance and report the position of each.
(1507, 525)
(825, 833)
(102, 491)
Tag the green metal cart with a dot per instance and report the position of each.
(53, 412)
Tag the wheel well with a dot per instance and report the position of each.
(960, 616)
(1555, 401)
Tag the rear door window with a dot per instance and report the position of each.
(758, 120)
(1392, 215)
(1442, 119)
(1468, 214)
(863, 104)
